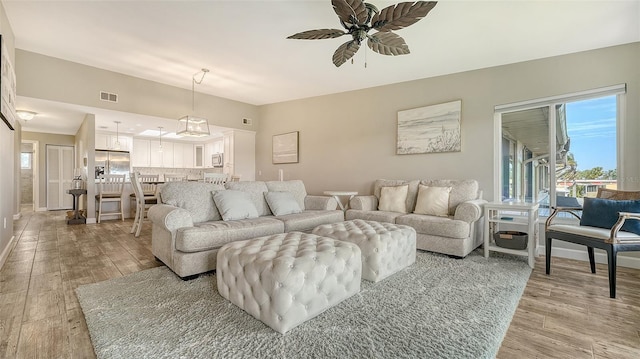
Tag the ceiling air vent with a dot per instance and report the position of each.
(110, 97)
(247, 121)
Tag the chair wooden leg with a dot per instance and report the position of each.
(121, 210)
(592, 259)
(547, 247)
(135, 221)
(612, 254)
(99, 210)
(140, 220)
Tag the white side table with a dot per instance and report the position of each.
(337, 194)
(523, 214)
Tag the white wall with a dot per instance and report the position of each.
(85, 149)
(41, 76)
(9, 147)
(348, 140)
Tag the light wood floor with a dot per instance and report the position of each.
(566, 315)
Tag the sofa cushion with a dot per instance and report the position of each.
(393, 198)
(282, 203)
(436, 226)
(433, 201)
(195, 197)
(256, 190)
(461, 191)
(296, 187)
(377, 216)
(308, 220)
(212, 235)
(234, 205)
(412, 193)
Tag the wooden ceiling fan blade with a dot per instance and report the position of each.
(401, 15)
(318, 34)
(345, 52)
(352, 12)
(387, 43)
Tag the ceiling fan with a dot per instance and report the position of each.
(358, 17)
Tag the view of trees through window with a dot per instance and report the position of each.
(591, 160)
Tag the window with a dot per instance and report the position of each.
(558, 151)
(26, 159)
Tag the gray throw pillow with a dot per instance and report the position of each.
(282, 203)
(234, 205)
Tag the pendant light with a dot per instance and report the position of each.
(116, 145)
(191, 125)
(160, 147)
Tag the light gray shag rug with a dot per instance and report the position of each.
(439, 307)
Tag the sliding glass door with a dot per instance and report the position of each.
(558, 151)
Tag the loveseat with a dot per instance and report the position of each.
(445, 213)
(195, 219)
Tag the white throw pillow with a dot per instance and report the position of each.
(393, 199)
(433, 201)
(282, 203)
(234, 205)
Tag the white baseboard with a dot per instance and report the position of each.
(91, 221)
(5, 253)
(601, 257)
(41, 209)
(17, 216)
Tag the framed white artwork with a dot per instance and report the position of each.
(429, 129)
(285, 148)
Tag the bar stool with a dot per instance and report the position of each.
(174, 177)
(149, 184)
(111, 188)
(143, 201)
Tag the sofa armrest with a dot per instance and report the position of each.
(322, 203)
(364, 203)
(469, 211)
(169, 217)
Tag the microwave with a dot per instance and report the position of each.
(217, 160)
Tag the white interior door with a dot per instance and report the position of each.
(60, 160)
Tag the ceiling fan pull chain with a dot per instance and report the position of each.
(365, 57)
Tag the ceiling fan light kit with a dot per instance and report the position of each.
(358, 18)
(190, 125)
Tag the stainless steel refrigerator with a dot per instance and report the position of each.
(112, 162)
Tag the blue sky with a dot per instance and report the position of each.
(592, 128)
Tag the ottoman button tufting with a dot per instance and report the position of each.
(266, 299)
(386, 247)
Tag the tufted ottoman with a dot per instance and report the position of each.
(286, 279)
(386, 247)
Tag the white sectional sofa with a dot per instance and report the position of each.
(455, 231)
(188, 227)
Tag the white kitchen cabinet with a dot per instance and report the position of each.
(198, 156)
(187, 155)
(102, 141)
(178, 155)
(140, 153)
(182, 155)
(158, 157)
(208, 151)
(107, 141)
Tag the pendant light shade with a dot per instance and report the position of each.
(191, 125)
